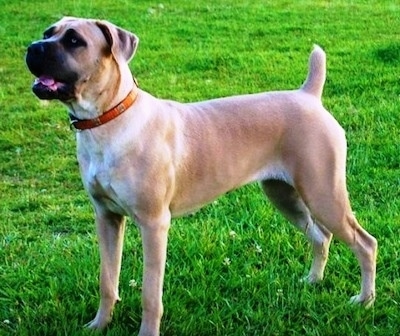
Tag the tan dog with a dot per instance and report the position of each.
(152, 159)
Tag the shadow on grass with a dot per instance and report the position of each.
(389, 54)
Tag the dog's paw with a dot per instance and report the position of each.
(366, 301)
(312, 278)
(97, 323)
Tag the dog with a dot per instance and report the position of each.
(153, 159)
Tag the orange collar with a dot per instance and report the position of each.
(106, 116)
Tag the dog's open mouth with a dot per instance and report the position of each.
(46, 87)
(47, 83)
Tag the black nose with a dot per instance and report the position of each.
(35, 58)
(36, 49)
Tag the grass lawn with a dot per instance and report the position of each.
(234, 267)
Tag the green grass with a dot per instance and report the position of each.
(216, 283)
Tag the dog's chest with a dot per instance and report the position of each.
(101, 180)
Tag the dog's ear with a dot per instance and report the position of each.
(122, 42)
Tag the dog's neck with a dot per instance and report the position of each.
(85, 114)
(93, 101)
(107, 116)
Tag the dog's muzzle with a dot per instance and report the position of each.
(52, 82)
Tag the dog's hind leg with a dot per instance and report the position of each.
(332, 209)
(285, 198)
(110, 231)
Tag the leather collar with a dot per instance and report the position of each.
(106, 116)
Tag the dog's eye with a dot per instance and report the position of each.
(72, 40)
(75, 42)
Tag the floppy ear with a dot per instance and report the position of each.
(122, 42)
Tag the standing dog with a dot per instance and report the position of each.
(151, 159)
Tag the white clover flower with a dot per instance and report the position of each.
(227, 261)
(133, 283)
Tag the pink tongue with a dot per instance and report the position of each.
(49, 82)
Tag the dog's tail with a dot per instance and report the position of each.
(314, 84)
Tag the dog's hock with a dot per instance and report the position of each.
(121, 42)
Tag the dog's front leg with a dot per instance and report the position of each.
(110, 231)
(154, 233)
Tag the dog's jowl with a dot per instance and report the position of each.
(153, 159)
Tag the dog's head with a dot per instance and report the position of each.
(74, 53)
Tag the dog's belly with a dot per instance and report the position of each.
(195, 196)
